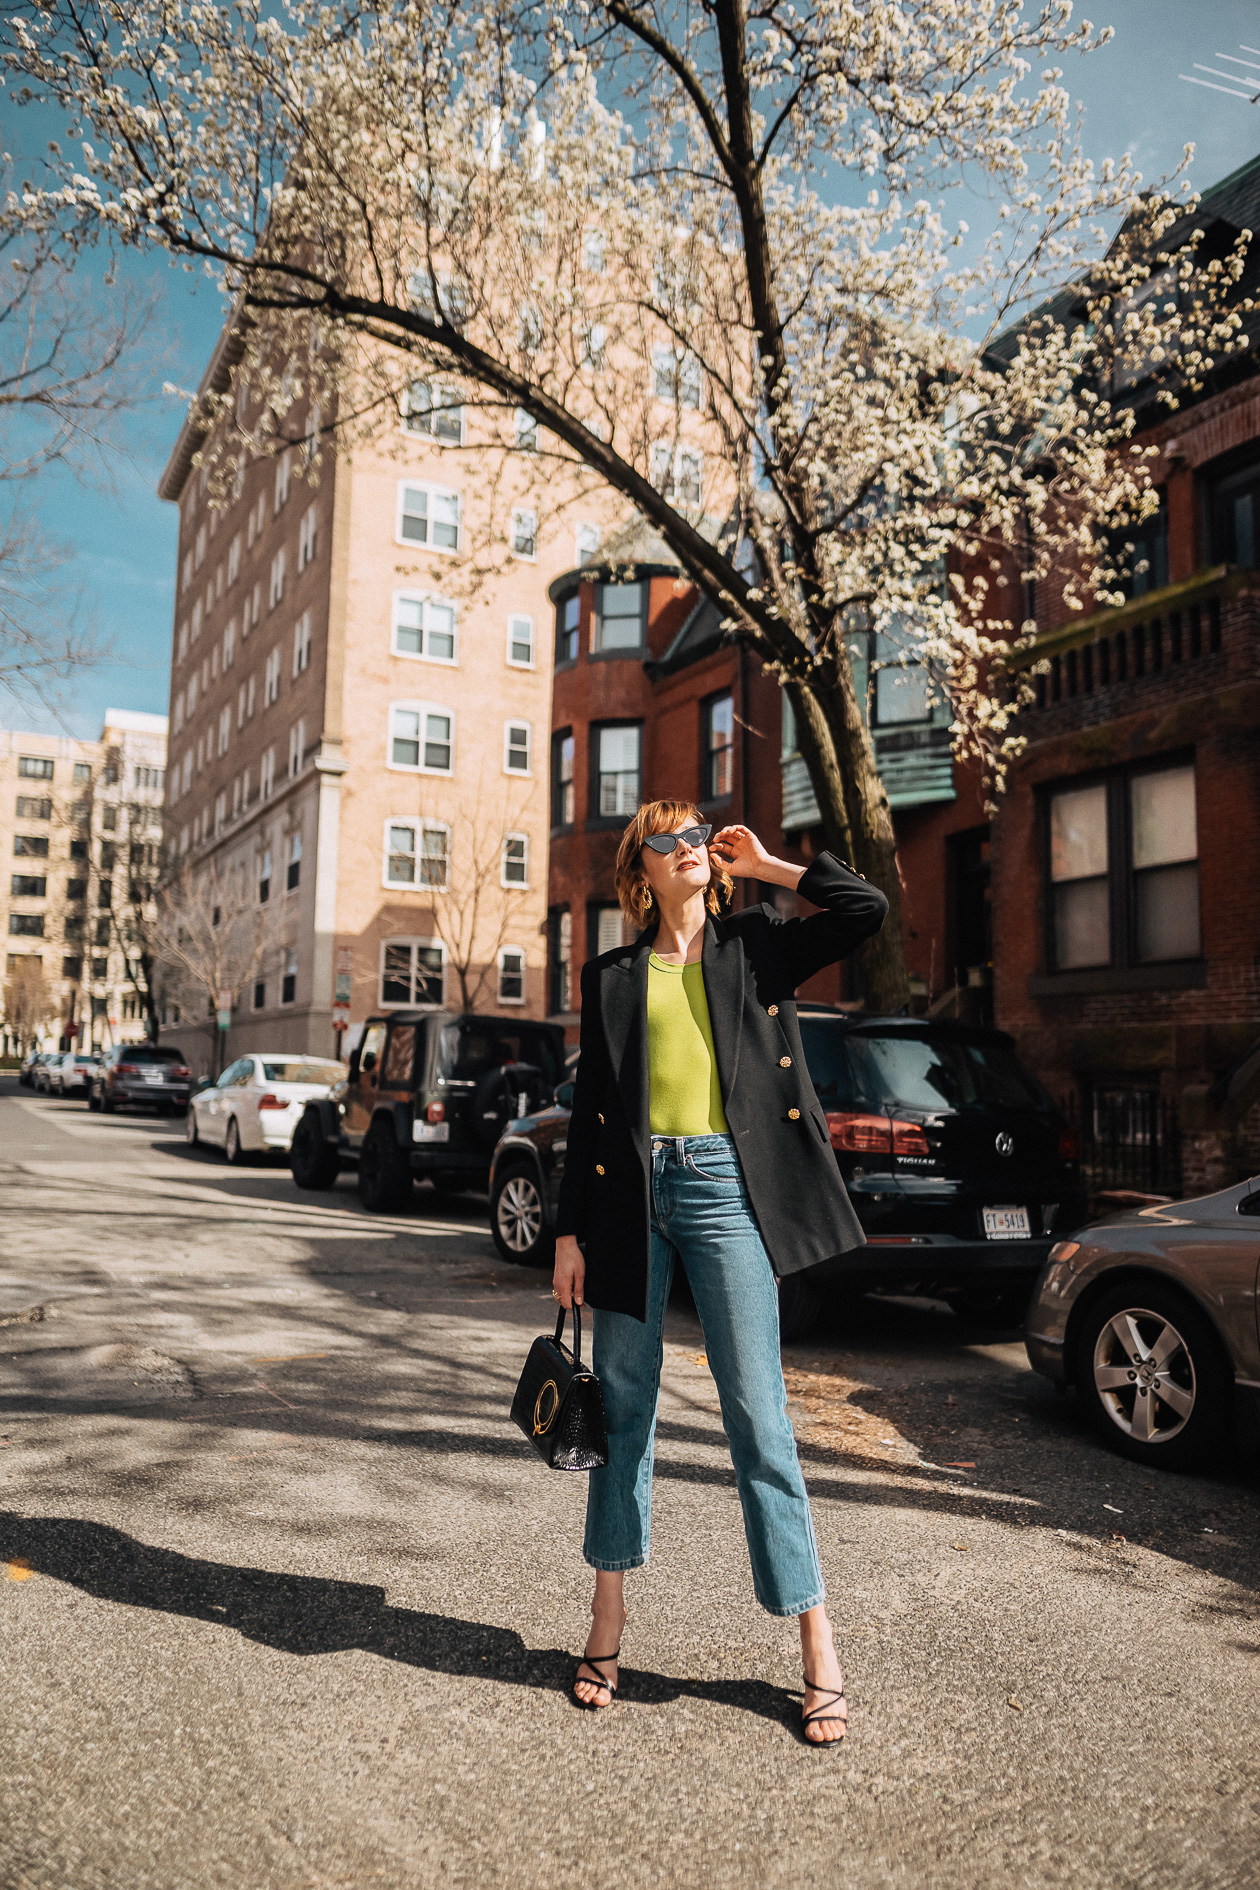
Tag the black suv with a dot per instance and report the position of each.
(426, 1094)
(960, 1167)
(148, 1073)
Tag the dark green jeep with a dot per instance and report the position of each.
(426, 1094)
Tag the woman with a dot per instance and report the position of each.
(696, 1135)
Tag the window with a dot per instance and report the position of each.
(593, 252)
(717, 759)
(220, 813)
(525, 431)
(282, 481)
(524, 534)
(586, 543)
(568, 616)
(902, 689)
(297, 748)
(302, 643)
(179, 713)
(417, 853)
(186, 574)
(428, 515)
(1233, 510)
(229, 644)
(307, 532)
(520, 642)
(264, 877)
(234, 559)
(267, 774)
(275, 588)
(619, 625)
(30, 846)
(511, 975)
(192, 695)
(72, 968)
(260, 994)
(606, 927)
(1123, 870)
(26, 925)
(105, 892)
(515, 859)
(240, 706)
(434, 411)
(559, 959)
(28, 809)
(421, 737)
(183, 640)
(616, 774)
(530, 331)
(676, 377)
(678, 473)
(594, 345)
(82, 771)
(516, 747)
(1141, 551)
(424, 626)
(293, 875)
(76, 889)
(271, 678)
(27, 886)
(225, 727)
(199, 557)
(288, 982)
(252, 610)
(412, 972)
(79, 848)
(563, 798)
(34, 768)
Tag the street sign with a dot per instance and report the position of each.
(341, 1017)
(225, 1010)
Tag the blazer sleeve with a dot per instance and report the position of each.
(852, 910)
(590, 1084)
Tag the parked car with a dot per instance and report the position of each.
(257, 1102)
(1152, 1315)
(959, 1165)
(427, 1095)
(30, 1063)
(42, 1070)
(72, 1073)
(150, 1074)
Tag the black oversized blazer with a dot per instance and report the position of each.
(753, 962)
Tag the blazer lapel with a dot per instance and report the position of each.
(623, 1006)
(723, 962)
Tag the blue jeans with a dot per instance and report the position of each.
(701, 1215)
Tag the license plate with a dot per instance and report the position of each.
(1006, 1223)
(430, 1131)
(153, 1076)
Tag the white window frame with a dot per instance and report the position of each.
(519, 662)
(308, 533)
(424, 599)
(587, 540)
(442, 399)
(229, 644)
(282, 483)
(297, 747)
(294, 859)
(271, 678)
(199, 553)
(423, 710)
(302, 643)
(525, 528)
(412, 1003)
(525, 432)
(514, 885)
(508, 726)
(667, 460)
(419, 827)
(275, 587)
(518, 952)
(594, 252)
(225, 727)
(178, 717)
(234, 559)
(183, 640)
(432, 492)
(267, 773)
(196, 620)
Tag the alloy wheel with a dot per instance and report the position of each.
(1144, 1375)
(519, 1214)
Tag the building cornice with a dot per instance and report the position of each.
(216, 380)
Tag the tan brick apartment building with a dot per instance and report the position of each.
(360, 694)
(80, 827)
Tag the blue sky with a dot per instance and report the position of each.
(123, 541)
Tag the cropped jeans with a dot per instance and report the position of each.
(701, 1215)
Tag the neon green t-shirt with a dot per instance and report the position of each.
(685, 1096)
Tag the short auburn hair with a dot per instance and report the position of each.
(636, 897)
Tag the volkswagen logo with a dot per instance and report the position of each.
(1004, 1143)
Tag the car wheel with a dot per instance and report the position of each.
(314, 1165)
(108, 1105)
(518, 1219)
(94, 1101)
(190, 1130)
(384, 1175)
(800, 1306)
(232, 1149)
(1152, 1377)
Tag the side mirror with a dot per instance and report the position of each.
(564, 1095)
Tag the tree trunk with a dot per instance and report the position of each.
(836, 746)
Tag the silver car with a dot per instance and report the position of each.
(1152, 1315)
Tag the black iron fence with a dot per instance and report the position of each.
(1130, 1140)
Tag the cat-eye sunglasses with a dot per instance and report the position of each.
(666, 842)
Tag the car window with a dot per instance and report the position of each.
(399, 1057)
(372, 1045)
(149, 1053)
(302, 1071)
(232, 1074)
(863, 1069)
(468, 1050)
(244, 1073)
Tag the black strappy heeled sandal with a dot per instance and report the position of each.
(826, 1711)
(591, 1661)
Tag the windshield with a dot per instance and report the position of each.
(857, 1070)
(468, 1050)
(149, 1053)
(302, 1071)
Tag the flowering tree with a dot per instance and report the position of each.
(708, 254)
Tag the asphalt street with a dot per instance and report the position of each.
(286, 1604)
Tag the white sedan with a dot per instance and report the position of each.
(256, 1103)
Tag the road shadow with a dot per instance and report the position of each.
(312, 1615)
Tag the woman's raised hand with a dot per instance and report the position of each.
(570, 1272)
(738, 850)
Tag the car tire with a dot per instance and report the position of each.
(384, 1174)
(94, 1101)
(314, 1165)
(108, 1105)
(233, 1153)
(518, 1218)
(801, 1302)
(190, 1129)
(1122, 1335)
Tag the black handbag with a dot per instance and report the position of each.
(559, 1404)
